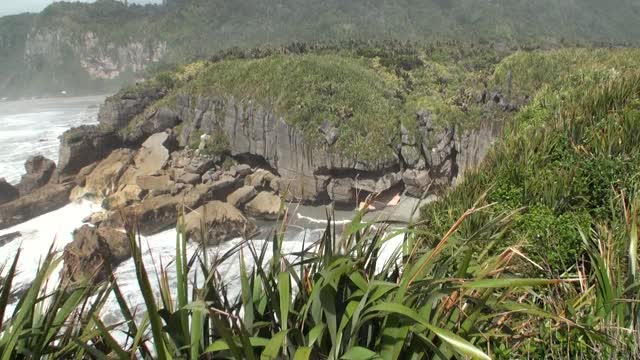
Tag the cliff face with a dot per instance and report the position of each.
(429, 160)
(99, 58)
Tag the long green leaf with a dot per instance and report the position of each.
(457, 343)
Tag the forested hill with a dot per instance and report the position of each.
(113, 43)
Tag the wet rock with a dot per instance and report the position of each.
(265, 205)
(8, 192)
(83, 146)
(39, 170)
(93, 250)
(41, 201)
(242, 196)
(222, 222)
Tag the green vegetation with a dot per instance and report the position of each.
(533, 255)
(569, 156)
(365, 90)
(328, 299)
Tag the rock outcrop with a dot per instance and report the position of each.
(93, 250)
(84, 146)
(265, 205)
(39, 170)
(222, 222)
(8, 192)
(430, 158)
(118, 110)
(242, 196)
(41, 201)
(104, 179)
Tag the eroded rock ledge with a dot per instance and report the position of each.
(149, 163)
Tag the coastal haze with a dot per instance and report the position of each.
(13, 7)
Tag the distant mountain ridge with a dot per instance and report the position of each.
(100, 46)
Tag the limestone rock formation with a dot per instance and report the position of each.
(341, 190)
(41, 201)
(265, 205)
(222, 222)
(39, 170)
(8, 192)
(118, 110)
(91, 253)
(241, 196)
(104, 179)
(83, 146)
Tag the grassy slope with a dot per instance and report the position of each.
(366, 91)
(568, 157)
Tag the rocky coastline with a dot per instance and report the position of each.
(151, 163)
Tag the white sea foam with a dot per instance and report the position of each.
(33, 127)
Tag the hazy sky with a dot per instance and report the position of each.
(9, 7)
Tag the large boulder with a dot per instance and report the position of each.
(39, 170)
(217, 190)
(241, 196)
(83, 146)
(153, 156)
(265, 205)
(154, 214)
(104, 180)
(93, 250)
(126, 196)
(222, 222)
(161, 183)
(8, 192)
(41, 201)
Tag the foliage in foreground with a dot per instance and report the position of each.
(332, 299)
(335, 298)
